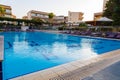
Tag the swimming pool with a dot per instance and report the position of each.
(26, 52)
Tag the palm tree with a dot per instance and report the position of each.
(51, 15)
(2, 11)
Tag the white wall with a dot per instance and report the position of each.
(24, 28)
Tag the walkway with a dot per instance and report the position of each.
(110, 73)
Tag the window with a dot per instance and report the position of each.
(38, 15)
(46, 16)
(32, 14)
(8, 11)
(8, 16)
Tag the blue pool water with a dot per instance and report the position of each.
(26, 52)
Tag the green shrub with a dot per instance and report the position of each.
(61, 28)
(82, 25)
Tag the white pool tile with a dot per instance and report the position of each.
(77, 64)
(69, 67)
(33, 78)
(60, 71)
(47, 74)
(18, 78)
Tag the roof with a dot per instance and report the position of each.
(104, 19)
(98, 13)
(6, 6)
(38, 12)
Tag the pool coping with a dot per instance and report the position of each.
(75, 70)
(1, 48)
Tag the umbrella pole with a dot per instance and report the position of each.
(94, 22)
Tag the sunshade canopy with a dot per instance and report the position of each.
(104, 19)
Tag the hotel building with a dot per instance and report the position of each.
(104, 4)
(75, 17)
(25, 17)
(8, 11)
(38, 14)
(60, 19)
(98, 15)
(44, 16)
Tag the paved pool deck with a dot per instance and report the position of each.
(110, 73)
(1, 54)
(1, 48)
(76, 70)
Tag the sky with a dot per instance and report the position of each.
(58, 7)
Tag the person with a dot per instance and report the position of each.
(103, 34)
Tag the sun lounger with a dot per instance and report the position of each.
(86, 33)
(96, 34)
(112, 35)
(118, 36)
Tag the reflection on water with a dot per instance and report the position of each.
(60, 50)
(75, 52)
(87, 49)
(20, 46)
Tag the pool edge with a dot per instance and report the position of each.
(1, 48)
(62, 71)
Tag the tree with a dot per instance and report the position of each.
(112, 11)
(37, 20)
(2, 11)
(51, 15)
(82, 24)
